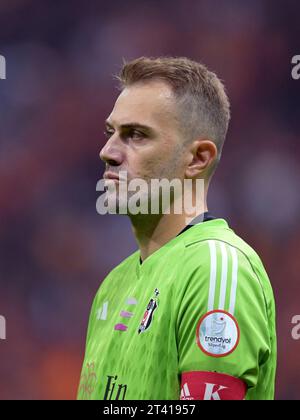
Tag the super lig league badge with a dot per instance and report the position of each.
(148, 315)
(217, 333)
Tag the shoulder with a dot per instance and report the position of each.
(223, 274)
(126, 264)
(215, 243)
(214, 255)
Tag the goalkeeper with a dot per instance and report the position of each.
(191, 314)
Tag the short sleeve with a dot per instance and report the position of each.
(222, 323)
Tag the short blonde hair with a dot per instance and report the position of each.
(204, 109)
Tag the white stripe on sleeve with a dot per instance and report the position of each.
(223, 276)
(234, 279)
(213, 273)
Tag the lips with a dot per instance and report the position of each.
(110, 175)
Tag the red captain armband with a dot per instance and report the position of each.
(198, 385)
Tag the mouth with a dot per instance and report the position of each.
(110, 175)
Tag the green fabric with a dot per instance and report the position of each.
(207, 267)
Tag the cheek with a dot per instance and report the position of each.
(147, 165)
(162, 161)
(160, 164)
(147, 168)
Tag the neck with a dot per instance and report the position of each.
(153, 231)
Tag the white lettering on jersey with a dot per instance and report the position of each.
(210, 394)
(202, 385)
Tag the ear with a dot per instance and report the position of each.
(202, 154)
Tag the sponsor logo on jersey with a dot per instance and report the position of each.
(197, 385)
(114, 390)
(102, 312)
(217, 333)
(148, 315)
(185, 393)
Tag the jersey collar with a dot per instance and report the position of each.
(203, 217)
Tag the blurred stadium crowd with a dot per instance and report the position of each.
(54, 248)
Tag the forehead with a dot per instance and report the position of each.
(150, 103)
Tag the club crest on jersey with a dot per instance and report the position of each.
(148, 315)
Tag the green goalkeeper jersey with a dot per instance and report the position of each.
(195, 320)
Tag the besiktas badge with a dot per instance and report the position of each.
(148, 315)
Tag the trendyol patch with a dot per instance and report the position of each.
(217, 333)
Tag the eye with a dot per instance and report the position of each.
(135, 134)
(108, 133)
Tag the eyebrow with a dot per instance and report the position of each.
(132, 125)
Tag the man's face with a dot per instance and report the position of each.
(143, 134)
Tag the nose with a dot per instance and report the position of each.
(111, 152)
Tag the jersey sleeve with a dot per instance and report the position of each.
(222, 324)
